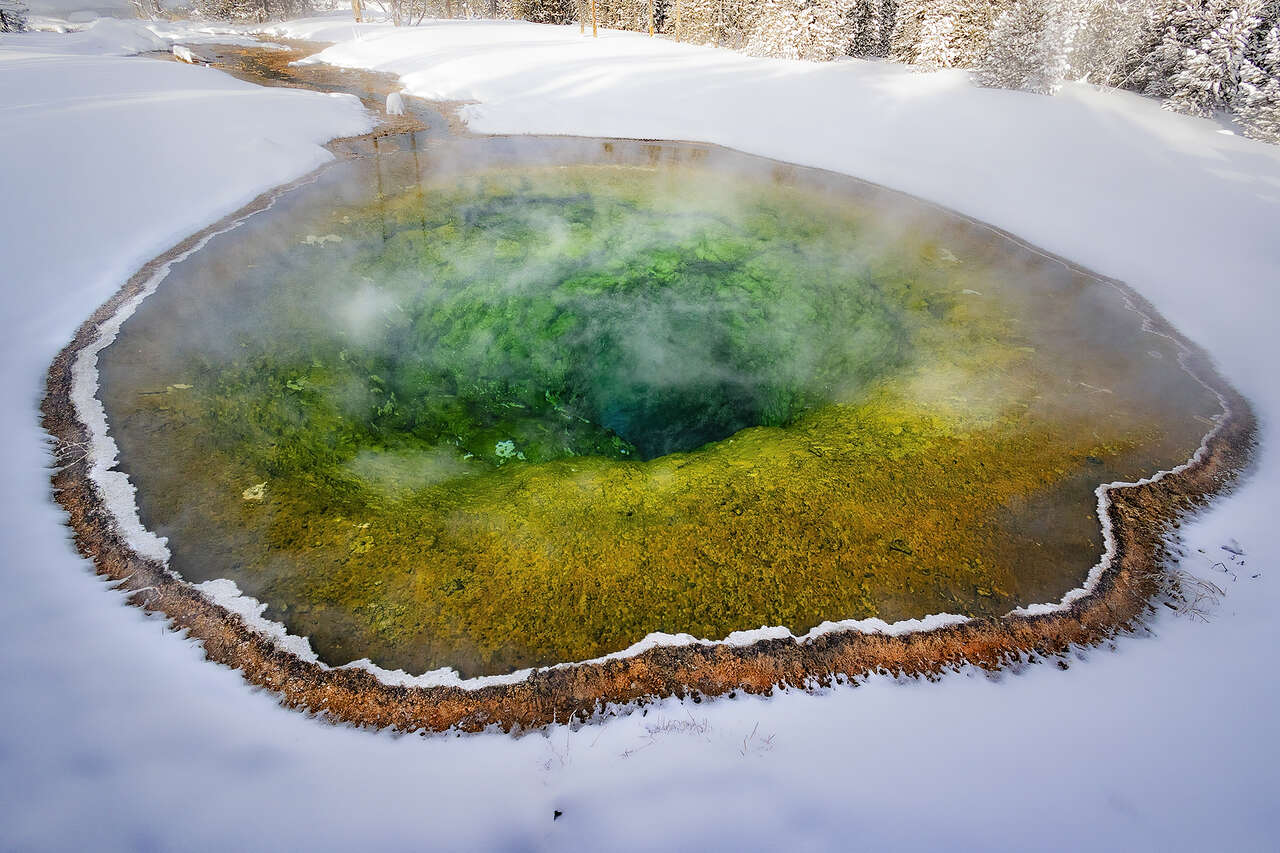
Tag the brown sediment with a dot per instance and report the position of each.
(274, 67)
(1141, 518)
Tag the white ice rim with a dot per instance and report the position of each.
(119, 497)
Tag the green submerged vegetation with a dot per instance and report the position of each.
(519, 323)
(532, 416)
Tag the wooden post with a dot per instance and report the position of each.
(582, 18)
(594, 35)
(650, 18)
(357, 11)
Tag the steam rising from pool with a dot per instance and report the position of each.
(511, 402)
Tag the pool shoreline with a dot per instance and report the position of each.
(1119, 593)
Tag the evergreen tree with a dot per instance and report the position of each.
(1017, 55)
(908, 21)
(802, 29)
(1172, 28)
(1210, 56)
(871, 27)
(1107, 35)
(1257, 107)
(547, 11)
(626, 14)
(724, 23)
(1029, 46)
(1208, 75)
(934, 50)
(944, 33)
(13, 16)
(250, 10)
(973, 21)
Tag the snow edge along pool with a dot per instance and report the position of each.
(1135, 518)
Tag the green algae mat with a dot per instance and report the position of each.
(509, 403)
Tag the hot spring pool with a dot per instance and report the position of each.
(489, 403)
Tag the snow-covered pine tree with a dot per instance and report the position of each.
(802, 29)
(944, 33)
(695, 21)
(1135, 71)
(908, 20)
(1210, 56)
(725, 23)
(972, 23)
(1028, 47)
(1016, 55)
(1257, 106)
(250, 10)
(735, 21)
(411, 13)
(13, 16)
(1107, 34)
(622, 14)
(1208, 77)
(685, 23)
(934, 50)
(1172, 28)
(871, 25)
(712, 15)
(547, 11)
(774, 30)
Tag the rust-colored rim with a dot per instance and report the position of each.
(1139, 517)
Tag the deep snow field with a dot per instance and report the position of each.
(116, 734)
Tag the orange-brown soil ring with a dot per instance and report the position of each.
(1141, 518)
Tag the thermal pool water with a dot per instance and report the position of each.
(490, 403)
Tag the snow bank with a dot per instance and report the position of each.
(115, 734)
(81, 8)
(101, 37)
(115, 37)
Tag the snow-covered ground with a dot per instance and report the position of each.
(114, 733)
